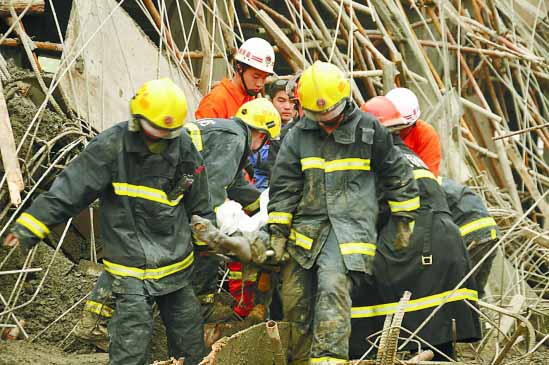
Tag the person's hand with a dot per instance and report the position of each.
(11, 240)
(277, 244)
(403, 232)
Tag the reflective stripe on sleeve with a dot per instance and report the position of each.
(196, 135)
(476, 225)
(34, 225)
(197, 242)
(280, 218)
(405, 206)
(98, 308)
(253, 206)
(424, 174)
(301, 240)
(361, 248)
(144, 192)
(148, 274)
(416, 304)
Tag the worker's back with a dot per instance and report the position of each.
(430, 267)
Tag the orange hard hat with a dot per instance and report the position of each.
(385, 111)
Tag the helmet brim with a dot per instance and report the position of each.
(161, 133)
(327, 115)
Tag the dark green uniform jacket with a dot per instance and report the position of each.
(469, 213)
(225, 146)
(146, 203)
(321, 181)
(430, 267)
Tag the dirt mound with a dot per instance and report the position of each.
(21, 352)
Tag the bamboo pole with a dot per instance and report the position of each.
(36, 7)
(9, 154)
(45, 46)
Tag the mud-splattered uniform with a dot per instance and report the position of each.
(430, 267)
(225, 146)
(146, 203)
(323, 199)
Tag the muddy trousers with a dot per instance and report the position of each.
(318, 302)
(131, 327)
(98, 310)
(100, 300)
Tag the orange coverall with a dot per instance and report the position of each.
(222, 102)
(423, 139)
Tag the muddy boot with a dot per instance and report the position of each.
(205, 231)
(91, 328)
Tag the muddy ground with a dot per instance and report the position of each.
(64, 286)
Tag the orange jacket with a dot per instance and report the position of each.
(423, 139)
(222, 102)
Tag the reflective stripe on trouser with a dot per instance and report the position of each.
(430, 301)
(131, 327)
(326, 313)
(100, 301)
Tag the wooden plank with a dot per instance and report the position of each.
(9, 154)
(205, 43)
(36, 7)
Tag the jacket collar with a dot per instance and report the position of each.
(346, 132)
(239, 96)
(134, 143)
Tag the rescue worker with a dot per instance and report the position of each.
(254, 63)
(283, 95)
(417, 134)
(323, 211)
(149, 179)
(477, 227)
(225, 146)
(285, 107)
(430, 267)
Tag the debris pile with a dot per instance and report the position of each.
(479, 67)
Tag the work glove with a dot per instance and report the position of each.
(277, 244)
(403, 232)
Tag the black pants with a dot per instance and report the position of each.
(131, 327)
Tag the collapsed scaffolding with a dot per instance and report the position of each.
(480, 69)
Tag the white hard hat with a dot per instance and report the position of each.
(406, 102)
(257, 53)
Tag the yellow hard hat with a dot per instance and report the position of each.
(323, 90)
(261, 114)
(161, 103)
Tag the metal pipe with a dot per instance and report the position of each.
(279, 354)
